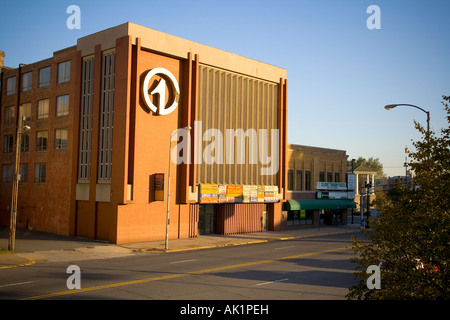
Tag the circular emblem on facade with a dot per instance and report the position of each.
(160, 89)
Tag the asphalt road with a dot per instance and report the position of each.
(301, 269)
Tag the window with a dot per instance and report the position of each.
(84, 161)
(10, 86)
(40, 172)
(308, 180)
(8, 143)
(44, 77)
(26, 111)
(322, 176)
(106, 118)
(329, 177)
(9, 116)
(23, 171)
(61, 139)
(42, 111)
(337, 177)
(300, 217)
(290, 180)
(299, 180)
(64, 72)
(62, 106)
(7, 173)
(41, 140)
(25, 143)
(27, 81)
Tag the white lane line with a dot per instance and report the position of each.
(269, 282)
(15, 284)
(284, 247)
(182, 261)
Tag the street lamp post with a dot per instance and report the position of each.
(168, 188)
(392, 106)
(15, 186)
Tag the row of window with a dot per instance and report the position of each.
(297, 183)
(41, 141)
(40, 172)
(44, 78)
(299, 180)
(42, 111)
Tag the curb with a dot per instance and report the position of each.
(201, 247)
(154, 250)
(29, 263)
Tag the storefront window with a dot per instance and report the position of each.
(300, 217)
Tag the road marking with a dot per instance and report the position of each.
(182, 261)
(15, 284)
(269, 282)
(284, 247)
(172, 276)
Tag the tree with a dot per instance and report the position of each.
(373, 163)
(410, 240)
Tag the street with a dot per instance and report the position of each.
(298, 269)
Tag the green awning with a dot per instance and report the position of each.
(316, 204)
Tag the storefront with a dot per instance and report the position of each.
(231, 209)
(318, 190)
(308, 212)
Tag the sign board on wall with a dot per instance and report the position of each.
(260, 194)
(159, 187)
(249, 193)
(271, 194)
(209, 193)
(335, 195)
(160, 90)
(234, 193)
(351, 178)
(222, 196)
(213, 193)
(331, 185)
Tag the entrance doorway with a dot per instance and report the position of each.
(207, 219)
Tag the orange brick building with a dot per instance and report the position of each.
(104, 116)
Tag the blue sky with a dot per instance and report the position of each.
(341, 74)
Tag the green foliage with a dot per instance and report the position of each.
(410, 240)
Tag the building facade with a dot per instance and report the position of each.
(129, 114)
(43, 93)
(318, 190)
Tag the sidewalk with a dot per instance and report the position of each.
(38, 247)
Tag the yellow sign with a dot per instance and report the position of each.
(260, 195)
(234, 193)
(209, 193)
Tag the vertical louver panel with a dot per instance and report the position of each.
(246, 105)
(106, 118)
(87, 95)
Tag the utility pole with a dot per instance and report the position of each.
(15, 186)
(368, 186)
